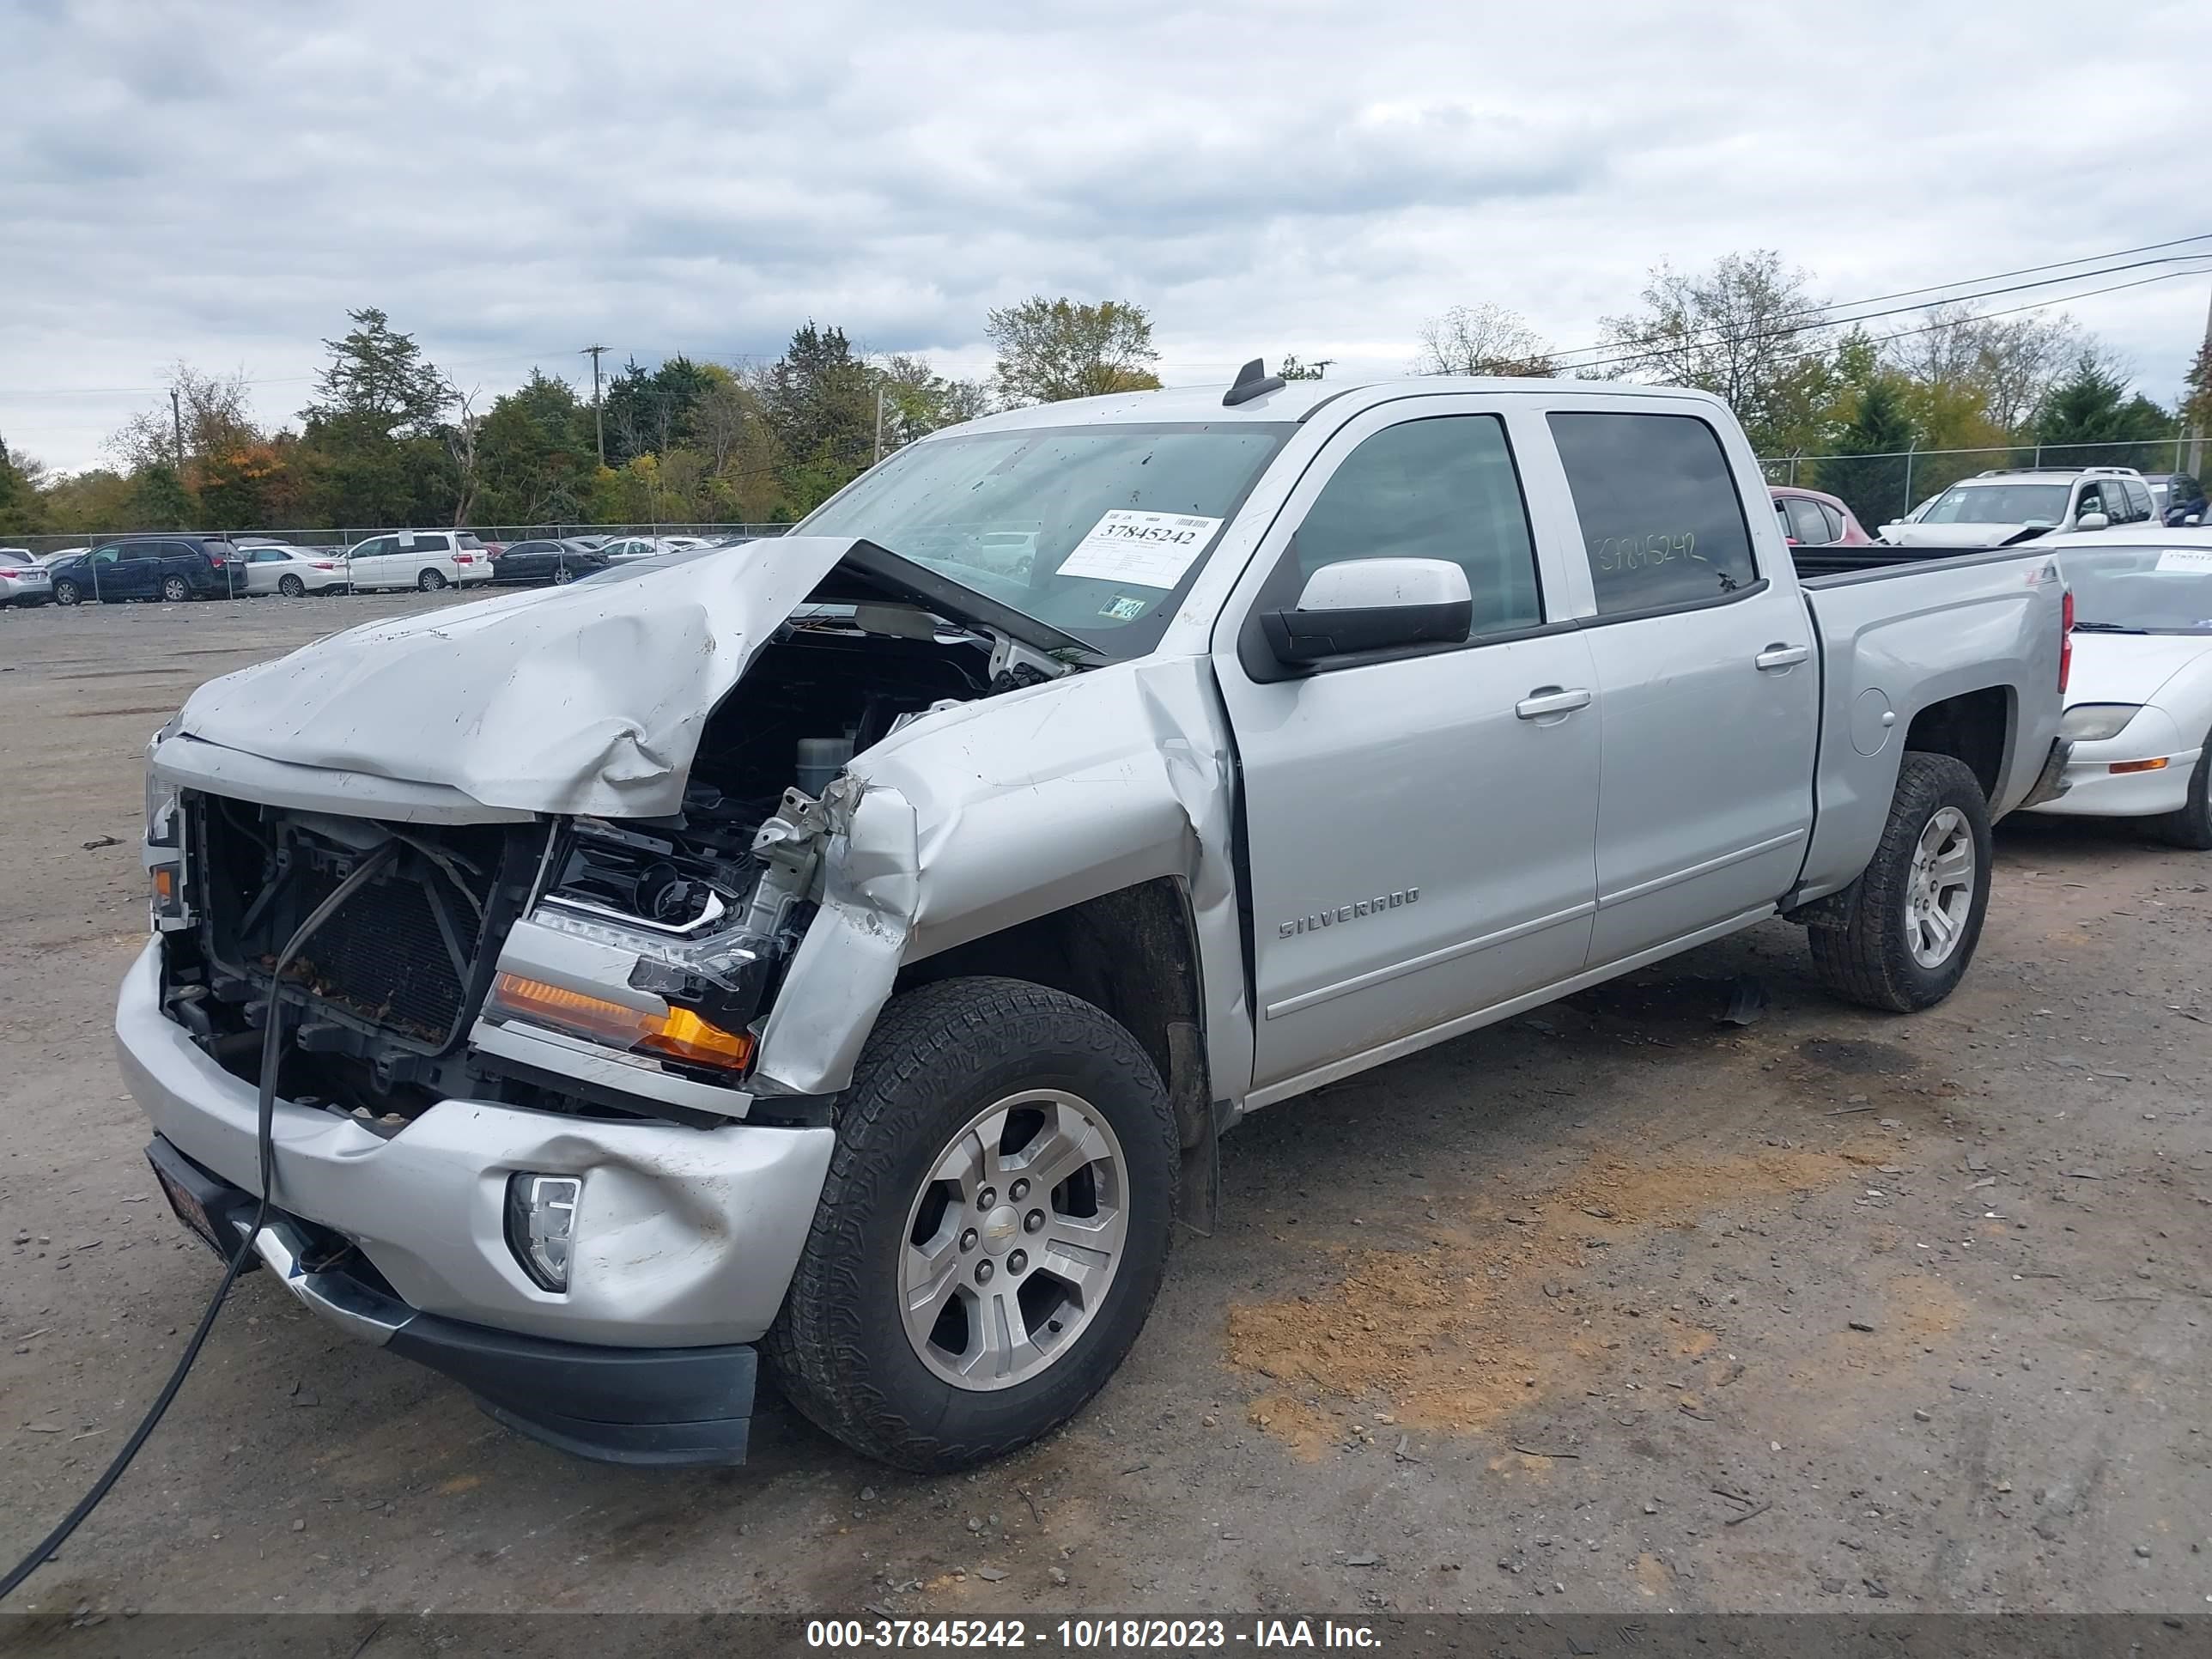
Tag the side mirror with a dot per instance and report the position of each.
(1372, 605)
(2092, 521)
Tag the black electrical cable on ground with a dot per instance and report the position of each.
(264, 1135)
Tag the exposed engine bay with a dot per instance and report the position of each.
(710, 902)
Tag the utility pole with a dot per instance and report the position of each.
(177, 425)
(598, 415)
(1321, 367)
(2197, 425)
(879, 423)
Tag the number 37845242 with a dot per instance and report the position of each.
(1658, 547)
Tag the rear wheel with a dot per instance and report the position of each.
(993, 1230)
(175, 590)
(562, 575)
(291, 588)
(430, 581)
(67, 591)
(2191, 826)
(1899, 938)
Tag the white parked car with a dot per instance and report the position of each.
(2020, 503)
(623, 548)
(23, 580)
(292, 571)
(427, 559)
(2139, 704)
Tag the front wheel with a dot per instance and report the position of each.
(993, 1229)
(430, 581)
(68, 592)
(175, 590)
(291, 588)
(2191, 825)
(1899, 938)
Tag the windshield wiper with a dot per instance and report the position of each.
(2107, 628)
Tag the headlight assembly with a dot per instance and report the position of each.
(2093, 722)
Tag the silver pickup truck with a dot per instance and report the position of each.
(846, 950)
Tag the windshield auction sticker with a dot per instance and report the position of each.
(1150, 549)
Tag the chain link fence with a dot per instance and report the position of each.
(1882, 488)
(342, 538)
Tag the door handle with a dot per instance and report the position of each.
(1781, 656)
(1550, 699)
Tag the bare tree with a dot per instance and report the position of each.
(2012, 362)
(1484, 339)
(212, 409)
(460, 434)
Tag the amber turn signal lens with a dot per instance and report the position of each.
(165, 882)
(2158, 765)
(679, 1034)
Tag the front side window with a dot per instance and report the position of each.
(1442, 488)
(2091, 500)
(1806, 523)
(1662, 520)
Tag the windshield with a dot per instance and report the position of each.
(2022, 503)
(2156, 590)
(1094, 529)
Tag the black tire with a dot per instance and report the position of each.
(68, 592)
(1860, 945)
(175, 590)
(430, 581)
(291, 588)
(2191, 825)
(938, 1056)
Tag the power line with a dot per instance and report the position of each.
(1828, 321)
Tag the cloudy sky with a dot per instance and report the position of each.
(221, 182)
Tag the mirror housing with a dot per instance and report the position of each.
(1358, 605)
(2093, 521)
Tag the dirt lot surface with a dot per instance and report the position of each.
(1610, 1307)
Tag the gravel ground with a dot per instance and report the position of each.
(1611, 1308)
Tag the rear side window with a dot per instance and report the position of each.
(1806, 522)
(1834, 521)
(1662, 523)
(1443, 488)
(2139, 508)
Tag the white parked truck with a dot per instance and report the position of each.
(846, 950)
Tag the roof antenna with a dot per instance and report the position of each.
(1253, 380)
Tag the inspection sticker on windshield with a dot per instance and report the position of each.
(2186, 558)
(1151, 549)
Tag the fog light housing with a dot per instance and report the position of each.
(541, 1225)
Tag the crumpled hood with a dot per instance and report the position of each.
(584, 699)
(2129, 667)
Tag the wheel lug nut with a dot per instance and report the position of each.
(983, 1272)
(1017, 1261)
(1033, 1222)
(1018, 1191)
(967, 1239)
(988, 1199)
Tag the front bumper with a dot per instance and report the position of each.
(686, 1237)
(2093, 790)
(662, 1406)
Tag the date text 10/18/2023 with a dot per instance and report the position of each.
(1090, 1635)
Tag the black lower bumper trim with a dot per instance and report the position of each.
(670, 1407)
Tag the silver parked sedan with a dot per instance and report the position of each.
(293, 571)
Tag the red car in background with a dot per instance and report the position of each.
(1810, 519)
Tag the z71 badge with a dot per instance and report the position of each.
(1329, 918)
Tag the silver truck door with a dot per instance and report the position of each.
(1418, 825)
(1705, 663)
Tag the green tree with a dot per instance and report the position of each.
(159, 500)
(380, 455)
(81, 503)
(917, 400)
(2092, 409)
(534, 454)
(1052, 349)
(1871, 468)
(21, 511)
(819, 397)
(1292, 368)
